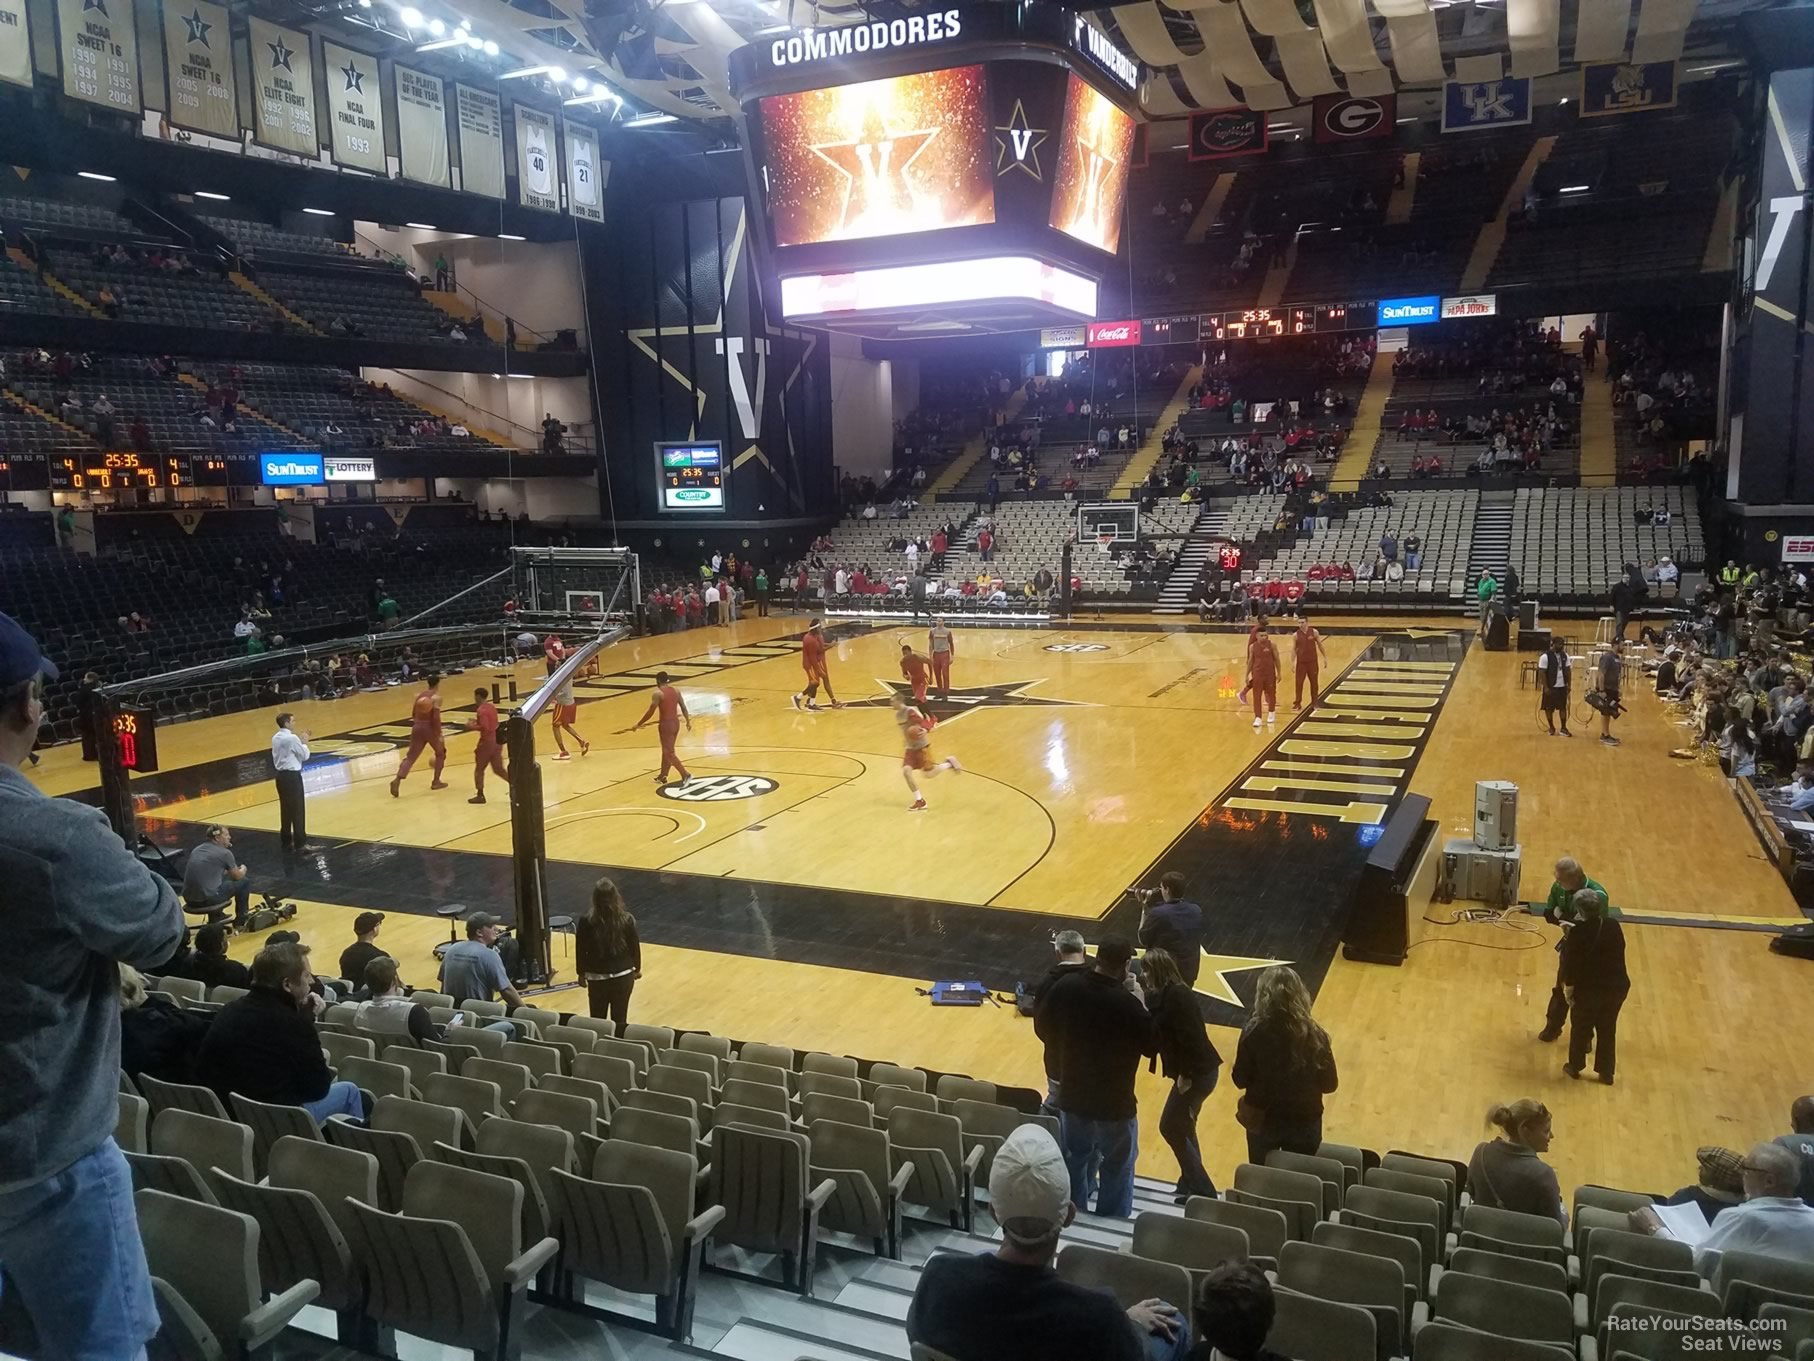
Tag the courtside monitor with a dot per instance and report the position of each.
(691, 475)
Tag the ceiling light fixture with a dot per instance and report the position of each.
(581, 84)
(523, 71)
(209, 193)
(465, 22)
(95, 175)
(422, 226)
(598, 96)
(650, 120)
(557, 75)
(436, 27)
(319, 212)
(411, 16)
(1563, 100)
(474, 41)
(1280, 127)
(1407, 120)
(1574, 188)
(491, 48)
(510, 236)
(441, 44)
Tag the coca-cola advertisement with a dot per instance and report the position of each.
(1108, 334)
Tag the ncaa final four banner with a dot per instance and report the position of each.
(422, 127)
(283, 89)
(536, 186)
(355, 109)
(198, 68)
(98, 45)
(481, 116)
(15, 44)
(585, 176)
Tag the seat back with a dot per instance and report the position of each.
(893, 1075)
(488, 1208)
(535, 1221)
(184, 990)
(207, 1253)
(546, 1149)
(431, 999)
(1392, 1246)
(698, 1042)
(1194, 1244)
(180, 1096)
(1376, 1284)
(331, 1173)
(132, 1131)
(1327, 1170)
(1636, 1332)
(576, 1115)
(1504, 1307)
(1618, 1252)
(890, 1099)
(775, 1055)
(1298, 1195)
(424, 1121)
(172, 1176)
(830, 1084)
(855, 1157)
(759, 1177)
(601, 1026)
(1607, 1198)
(1745, 1280)
(1411, 1183)
(1505, 1267)
(667, 1103)
(581, 1038)
(1453, 1174)
(541, 1060)
(595, 1092)
(676, 1080)
(539, 1017)
(1354, 1160)
(934, 1143)
(675, 1133)
(1452, 1342)
(762, 1095)
(1419, 1217)
(616, 1072)
(1308, 1328)
(339, 1047)
(377, 1077)
(953, 1088)
(393, 1151)
(297, 1239)
(477, 1099)
(658, 1036)
(724, 1113)
(423, 1276)
(1265, 1228)
(270, 1123)
(640, 1056)
(622, 1225)
(511, 1079)
(831, 1065)
(767, 1073)
(420, 1062)
(709, 1066)
(203, 1141)
(1130, 1279)
(818, 1106)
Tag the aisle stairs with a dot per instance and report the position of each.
(1193, 557)
(1492, 545)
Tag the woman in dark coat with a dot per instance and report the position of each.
(1284, 1067)
(1593, 978)
(608, 953)
(157, 1037)
(1191, 1062)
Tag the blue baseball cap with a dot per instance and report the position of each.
(20, 656)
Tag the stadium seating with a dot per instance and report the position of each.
(45, 214)
(259, 238)
(1572, 542)
(169, 297)
(379, 302)
(22, 290)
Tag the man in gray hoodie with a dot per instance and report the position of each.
(77, 903)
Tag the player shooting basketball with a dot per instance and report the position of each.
(916, 734)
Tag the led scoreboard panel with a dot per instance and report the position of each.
(1260, 323)
(692, 475)
(121, 471)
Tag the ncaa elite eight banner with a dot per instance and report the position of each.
(355, 108)
(283, 89)
(422, 127)
(15, 44)
(198, 67)
(481, 141)
(98, 43)
(537, 186)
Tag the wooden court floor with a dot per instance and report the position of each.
(1712, 1047)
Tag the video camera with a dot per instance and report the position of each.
(1603, 703)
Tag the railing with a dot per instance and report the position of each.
(483, 307)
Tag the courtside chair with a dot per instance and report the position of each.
(1194, 1244)
(943, 1174)
(1332, 1173)
(377, 1077)
(1296, 1195)
(761, 1179)
(1504, 1307)
(631, 1226)
(1371, 1283)
(132, 1131)
(1265, 1228)
(209, 1256)
(180, 1096)
(203, 1141)
(1451, 1342)
(419, 1062)
(1129, 1278)
(866, 1195)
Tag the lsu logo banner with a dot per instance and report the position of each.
(1620, 87)
(1480, 105)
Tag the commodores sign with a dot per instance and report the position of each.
(1106, 334)
(824, 44)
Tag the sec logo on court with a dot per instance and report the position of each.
(718, 788)
(1077, 647)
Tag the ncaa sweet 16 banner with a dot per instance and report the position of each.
(15, 43)
(422, 127)
(283, 89)
(355, 108)
(585, 176)
(98, 43)
(198, 68)
(535, 161)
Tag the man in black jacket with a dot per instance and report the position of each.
(1171, 922)
(264, 1046)
(1101, 1032)
(1068, 946)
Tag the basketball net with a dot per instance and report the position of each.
(1105, 543)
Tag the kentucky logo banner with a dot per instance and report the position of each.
(1624, 87)
(1481, 105)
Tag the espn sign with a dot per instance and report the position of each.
(1477, 305)
(1110, 334)
(1798, 548)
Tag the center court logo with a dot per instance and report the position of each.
(719, 788)
(1077, 647)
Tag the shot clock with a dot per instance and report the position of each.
(691, 475)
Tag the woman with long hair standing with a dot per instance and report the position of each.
(1284, 1067)
(1191, 1062)
(608, 953)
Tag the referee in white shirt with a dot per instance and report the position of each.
(288, 751)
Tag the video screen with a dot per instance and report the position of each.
(1094, 150)
(880, 158)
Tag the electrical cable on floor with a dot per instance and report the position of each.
(1500, 920)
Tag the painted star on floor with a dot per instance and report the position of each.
(965, 699)
(1212, 979)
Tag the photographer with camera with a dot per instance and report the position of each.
(1172, 923)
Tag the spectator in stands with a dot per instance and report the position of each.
(1801, 1143)
(157, 1037)
(1719, 1182)
(1189, 1060)
(209, 964)
(263, 1046)
(1594, 980)
(213, 874)
(1772, 1220)
(472, 969)
(1171, 922)
(1506, 1173)
(1101, 1031)
(1284, 1066)
(1233, 1313)
(1011, 1303)
(608, 953)
(1069, 949)
(364, 948)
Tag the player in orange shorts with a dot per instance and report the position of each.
(424, 731)
(812, 660)
(489, 754)
(1263, 673)
(667, 701)
(917, 670)
(916, 734)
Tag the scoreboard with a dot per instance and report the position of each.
(1259, 323)
(118, 471)
(691, 475)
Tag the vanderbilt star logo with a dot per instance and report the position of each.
(355, 78)
(1017, 145)
(198, 29)
(878, 198)
(966, 699)
(281, 53)
(1212, 976)
(99, 6)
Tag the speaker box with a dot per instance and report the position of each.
(1795, 941)
(1495, 815)
(1527, 614)
(1471, 873)
(1498, 632)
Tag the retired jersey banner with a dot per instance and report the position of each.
(536, 185)
(1226, 132)
(198, 67)
(585, 176)
(422, 127)
(481, 141)
(1623, 87)
(1482, 105)
(283, 89)
(15, 44)
(98, 45)
(355, 108)
(1353, 118)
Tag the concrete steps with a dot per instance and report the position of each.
(1369, 413)
(1193, 557)
(1146, 457)
(245, 285)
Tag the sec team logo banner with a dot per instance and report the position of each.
(1481, 105)
(1226, 132)
(1352, 118)
(1625, 87)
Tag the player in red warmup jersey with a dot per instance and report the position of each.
(1263, 673)
(917, 670)
(489, 755)
(812, 660)
(916, 737)
(1307, 651)
(424, 731)
(673, 710)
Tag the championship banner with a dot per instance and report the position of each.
(355, 109)
(1481, 105)
(15, 44)
(481, 141)
(585, 176)
(1619, 87)
(1226, 132)
(535, 161)
(422, 127)
(283, 92)
(1352, 118)
(98, 45)
(198, 66)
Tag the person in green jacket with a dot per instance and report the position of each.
(1559, 910)
(762, 592)
(1488, 588)
(389, 610)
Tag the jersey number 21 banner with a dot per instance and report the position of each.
(535, 173)
(585, 176)
(98, 43)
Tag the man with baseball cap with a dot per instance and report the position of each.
(1010, 1303)
(78, 904)
(472, 970)
(362, 951)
